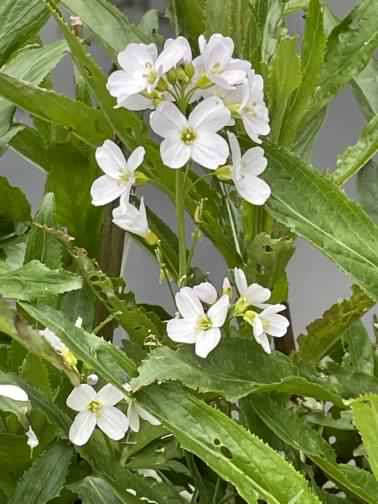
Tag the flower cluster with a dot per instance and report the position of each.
(196, 325)
(192, 101)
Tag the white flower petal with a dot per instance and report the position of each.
(110, 159)
(110, 395)
(134, 58)
(253, 189)
(262, 340)
(240, 280)
(121, 85)
(188, 303)
(175, 50)
(136, 158)
(32, 440)
(129, 218)
(105, 189)
(207, 341)
(136, 102)
(82, 428)
(167, 120)
(206, 292)
(255, 127)
(218, 312)
(256, 294)
(210, 115)
(133, 417)
(210, 150)
(113, 423)
(254, 161)
(174, 153)
(182, 330)
(145, 415)
(13, 392)
(80, 397)
(235, 150)
(257, 326)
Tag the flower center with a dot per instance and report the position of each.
(249, 316)
(204, 323)
(240, 306)
(217, 68)
(150, 74)
(188, 136)
(125, 177)
(95, 406)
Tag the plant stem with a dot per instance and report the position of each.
(180, 215)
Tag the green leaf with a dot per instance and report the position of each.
(95, 490)
(285, 76)
(323, 333)
(35, 280)
(20, 19)
(365, 86)
(311, 206)
(360, 356)
(355, 157)
(32, 65)
(296, 433)
(351, 44)
(46, 477)
(110, 26)
(367, 183)
(365, 418)
(234, 370)
(98, 354)
(40, 245)
(314, 44)
(189, 18)
(14, 207)
(233, 453)
(84, 121)
(18, 408)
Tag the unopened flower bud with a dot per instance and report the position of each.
(172, 76)
(249, 316)
(226, 287)
(181, 75)
(162, 85)
(151, 238)
(189, 70)
(92, 379)
(203, 82)
(224, 173)
(141, 178)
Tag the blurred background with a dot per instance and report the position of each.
(315, 282)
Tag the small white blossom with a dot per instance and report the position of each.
(129, 218)
(96, 409)
(193, 138)
(196, 326)
(252, 295)
(13, 392)
(135, 412)
(247, 102)
(245, 171)
(92, 379)
(216, 64)
(142, 69)
(32, 439)
(119, 174)
(268, 322)
(206, 292)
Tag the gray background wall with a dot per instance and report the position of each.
(315, 283)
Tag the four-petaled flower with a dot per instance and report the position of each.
(128, 217)
(215, 65)
(96, 409)
(119, 174)
(245, 171)
(250, 295)
(196, 326)
(267, 322)
(193, 138)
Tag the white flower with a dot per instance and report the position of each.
(135, 412)
(206, 292)
(13, 392)
(32, 440)
(193, 138)
(92, 379)
(267, 322)
(196, 326)
(247, 101)
(96, 408)
(129, 218)
(245, 171)
(142, 69)
(251, 295)
(119, 173)
(216, 64)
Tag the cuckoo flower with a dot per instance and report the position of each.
(245, 172)
(268, 322)
(196, 326)
(119, 173)
(193, 138)
(250, 295)
(96, 409)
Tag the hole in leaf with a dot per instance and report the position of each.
(226, 452)
(216, 442)
(268, 248)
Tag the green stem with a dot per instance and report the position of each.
(180, 215)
